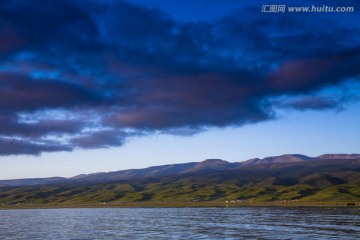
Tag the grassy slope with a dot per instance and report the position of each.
(318, 181)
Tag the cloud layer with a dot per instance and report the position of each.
(92, 75)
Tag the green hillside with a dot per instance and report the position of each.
(319, 180)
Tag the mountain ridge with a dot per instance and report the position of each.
(315, 180)
(206, 166)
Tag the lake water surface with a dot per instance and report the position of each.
(181, 223)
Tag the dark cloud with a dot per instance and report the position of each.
(212, 99)
(312, 103)
(10, 41)
(100, 139)
(20, 93)
(89, 74)
(14, 146)
(12, 127)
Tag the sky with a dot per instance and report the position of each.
(92, 86)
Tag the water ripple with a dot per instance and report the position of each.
(180, 223)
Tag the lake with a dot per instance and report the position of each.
(181, 223)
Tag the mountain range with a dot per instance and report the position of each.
(291, 176)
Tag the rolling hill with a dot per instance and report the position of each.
(287, 177)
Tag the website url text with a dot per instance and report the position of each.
(303, 9)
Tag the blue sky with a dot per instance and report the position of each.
(111, 85)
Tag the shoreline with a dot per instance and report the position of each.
(183, 205)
